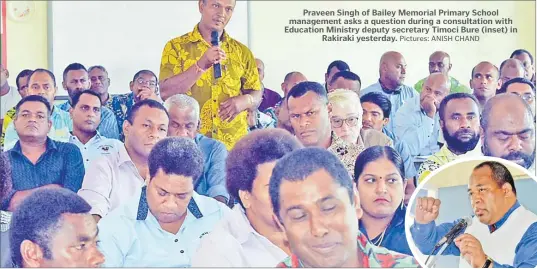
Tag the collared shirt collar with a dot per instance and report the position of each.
(244, 225)
(143, 206)
(124, 156)
(499, 223)
(388, 91)
(5, 220)
(195, 36)
(50, 145)
(96, 137)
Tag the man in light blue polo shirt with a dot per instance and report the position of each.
(184, 114)
(86, 115)
(163, 225)
(392, 71)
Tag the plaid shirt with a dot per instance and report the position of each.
(5, 219)
(371, 256)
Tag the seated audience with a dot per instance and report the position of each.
(43, 83)
(184, 114)
(22, 88)
(75, 79)
(251, 236)
(527, 60)
(112, 180)
(317, 206)
(143, 86)
(440, 62)
(376, 111)
(510, 69)
(346, 120)
(100, 82)
(521, 87)
(270, 98)
(333, 68)
(53, 228)
(392, 71)
(309, 113)
(485, 82)
(5, 217)
(378, 175)
(86, 114)
(459, 120)
(345, 80)
(417, 121)
(164, 222)
(508, 130)
(37, 160)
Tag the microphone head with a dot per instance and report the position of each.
(214, 37)
(467, 221)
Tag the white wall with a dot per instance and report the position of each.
(125, 36)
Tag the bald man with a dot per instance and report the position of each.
(510, 69)
(417, 123)
(270, 98)
(440, 62)
(392, 69)
(485, 82)
(508, 130)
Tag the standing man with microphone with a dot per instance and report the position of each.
(216, 70)
(502, 234)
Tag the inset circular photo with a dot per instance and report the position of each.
(478, 213)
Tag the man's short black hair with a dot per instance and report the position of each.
(500, 173)
(380, 100)
(39, 217)
(100, 67)
(301, 163)
(346, 75)
(506, 85)
(521, 51)
(340, 65)
(33, 98)
(6, 182)
(73, 67)
(495, 67)
(304, 87)
(77, 96)
(256, 148)
(23, 73)
(131, 114)
(41, 70)
(452, 96)
(145, 71)
(178, 156)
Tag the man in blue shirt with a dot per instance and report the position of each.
(184, 122)
(163, 225)
(392, 71)
(75, 79)
(417, 122)
(36, 160)
(502, 234)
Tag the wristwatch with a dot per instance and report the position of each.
(487, 262)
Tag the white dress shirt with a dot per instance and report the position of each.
(110, 181)
(96, 147)
(234, 243)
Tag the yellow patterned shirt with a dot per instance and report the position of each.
(239, 72)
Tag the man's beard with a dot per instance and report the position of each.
(457, 145)
(517, 155)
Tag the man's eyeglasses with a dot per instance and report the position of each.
(351, 121)
(142, 81)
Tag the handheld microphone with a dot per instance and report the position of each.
(216, 67)
(454, 232)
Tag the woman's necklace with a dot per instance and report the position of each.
(380, 238)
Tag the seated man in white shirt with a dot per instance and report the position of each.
(250, 235)
(115, 178)
(163, 224)
(85, 112)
